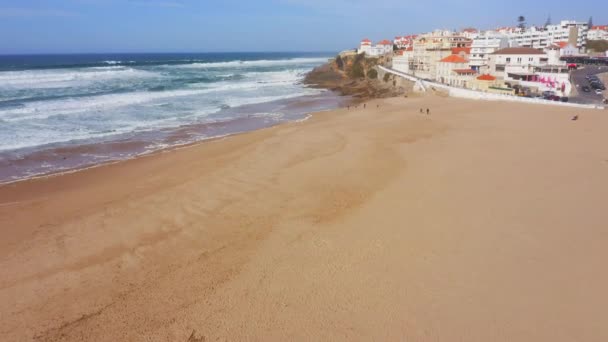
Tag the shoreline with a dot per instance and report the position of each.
(87, 147)
(155, 152)
(377, 224)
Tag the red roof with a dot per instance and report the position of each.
(486, 77)
(385, 42)
(600, 27)
(453, 59)
(456, 51)
(464, 71)
(562, 44)
(366, 41)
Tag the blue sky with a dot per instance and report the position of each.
(73, 26)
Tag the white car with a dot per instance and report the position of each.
(598, 91)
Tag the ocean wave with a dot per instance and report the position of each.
(63, 78)
(102, 103)
(112, 99)
(118, 62)
(258, 63)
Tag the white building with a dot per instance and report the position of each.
(531, 68)
(516, 58)
(567, 49)
(404, 42)
(382, 48)
(403, 60)
(598, 33)
(470, 33)
(483, 45)
(454, 70)
(540, 37)
(365, 46)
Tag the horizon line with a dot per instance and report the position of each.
(152, 52)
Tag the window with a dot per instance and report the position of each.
(518, 59)
(530, 59)
(508, 59)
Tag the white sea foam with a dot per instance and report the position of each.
(69, 116)
(61, 78)
(259, 63)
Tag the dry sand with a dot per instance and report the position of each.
(481, 222)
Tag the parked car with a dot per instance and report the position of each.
(598, 91)
(555, 98)
(564, 99)
(548, 93)
(586, 89)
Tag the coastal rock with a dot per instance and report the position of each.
(357, 76)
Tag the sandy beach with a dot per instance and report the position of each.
(484, 221)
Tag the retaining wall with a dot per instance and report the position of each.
(479, 95)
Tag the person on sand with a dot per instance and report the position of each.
(574, 118)
(421, 111)
(364, 105)
(428, 111)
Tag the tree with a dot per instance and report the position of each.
(548, 21)
(521, 22)
(356, 71)
(340, 62)
(590, 23)
(372, 74)
(597, 45)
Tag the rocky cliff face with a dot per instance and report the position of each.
(357, 76)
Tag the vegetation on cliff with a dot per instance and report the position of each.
(355, 75)
(597, 45)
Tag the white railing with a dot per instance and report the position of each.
(479, 95)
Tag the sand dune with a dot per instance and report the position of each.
(481, 222)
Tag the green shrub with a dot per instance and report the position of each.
(340, 62)
(597, 45)
(356, 71)
(387, 77)
(373, 74)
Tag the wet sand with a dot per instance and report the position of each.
(484, 221)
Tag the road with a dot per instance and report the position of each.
(578, 79)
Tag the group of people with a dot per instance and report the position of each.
(428, 111)
(364, 106)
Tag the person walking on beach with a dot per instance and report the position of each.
(421, 111)
(364, 105)
(428, 111)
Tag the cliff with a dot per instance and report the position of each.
(357, 76)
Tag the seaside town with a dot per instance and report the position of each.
(196, 171)
(555, 62)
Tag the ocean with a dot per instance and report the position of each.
(64, 112)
